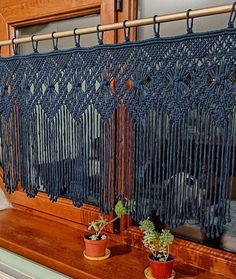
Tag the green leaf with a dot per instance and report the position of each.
(146, 226)
(165, 238)
(97, 224)
(120, 209)
(93, 237)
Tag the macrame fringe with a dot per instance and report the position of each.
(150, 122)
(184, 170)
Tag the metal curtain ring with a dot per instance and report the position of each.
(54, 41)
(189, 21)
(34, 44)
(232, 16)
(156, 28)
(76, 37)
(126, 33)
(100, 38)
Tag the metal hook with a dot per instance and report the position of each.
(76, 38)
(54, 41)
(189, 22)
(34, 44)
(156, 29)
(126, 34)
(100, 38)
(232, 16)
(15, 46)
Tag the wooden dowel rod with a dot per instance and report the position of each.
(131, 23)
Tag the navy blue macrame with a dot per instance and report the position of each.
(60, 130)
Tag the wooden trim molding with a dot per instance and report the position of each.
(28, 12)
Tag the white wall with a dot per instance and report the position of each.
(148, 8)
(4, 204)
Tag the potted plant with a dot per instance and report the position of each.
(96, 242)
(160, 261)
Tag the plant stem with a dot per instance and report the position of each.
(168, 251)
(101, 229)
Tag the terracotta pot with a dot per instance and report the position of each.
(161, 270)
(95, 248)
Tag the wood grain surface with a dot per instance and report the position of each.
(60, 247)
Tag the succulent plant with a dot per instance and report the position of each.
(157, 243)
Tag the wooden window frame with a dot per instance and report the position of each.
(21, 13)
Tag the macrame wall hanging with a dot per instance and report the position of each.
(60, 130)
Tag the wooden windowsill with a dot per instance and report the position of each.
(60, 247)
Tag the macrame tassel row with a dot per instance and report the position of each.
(10, 152)
(184, 170)
(66, 157)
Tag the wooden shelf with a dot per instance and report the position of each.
(60, 247)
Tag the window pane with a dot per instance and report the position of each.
(59, 26)
(151, 7)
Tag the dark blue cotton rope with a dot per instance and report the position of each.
(190, 163)
(173, 79)
(232, 16)
(180, 168)
(212, 207)
(217, 207)
(233, 147)
(76, 37)
(228, 190)
(185, 161)
(156, 149)
(174, 168)
(126, 31)
(196, 187)
(189, 22)
(167, 197)
(203, 172)
(156, 28)
(15, 47)
(176, 173)
(100, 38)
(34, 44)
(164, 167)
(140, 168)
(147, 144)
(208, 163)
(54, 42)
